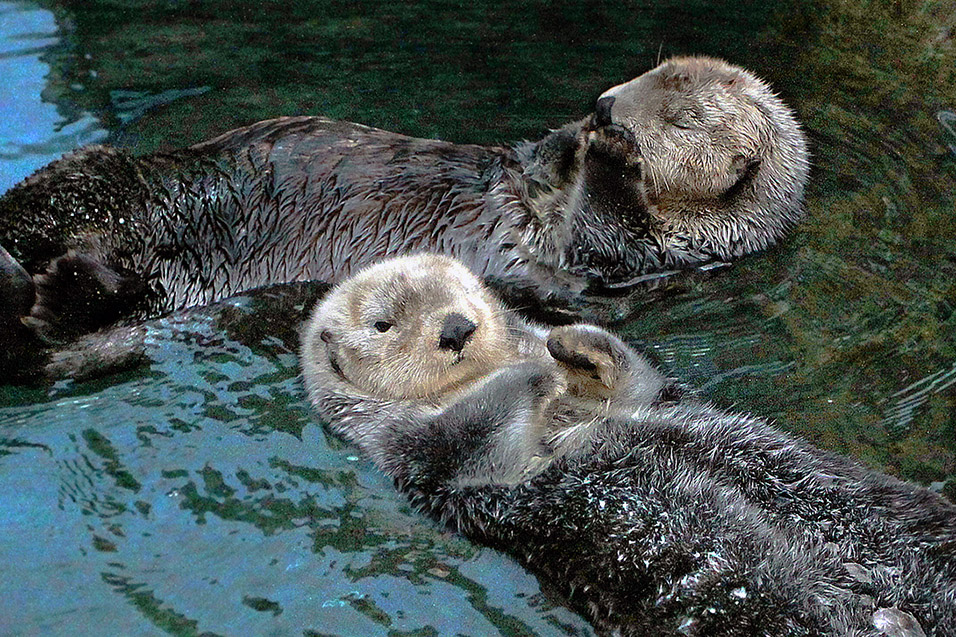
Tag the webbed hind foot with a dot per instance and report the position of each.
(42, 316)
(79, 294)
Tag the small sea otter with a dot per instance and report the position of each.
(694, 162)
(652, 513)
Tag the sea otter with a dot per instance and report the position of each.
(692, 163)
(653, 515)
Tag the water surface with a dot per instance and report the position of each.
(33, 130)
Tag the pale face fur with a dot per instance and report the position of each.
(724, 160)
(382, 328)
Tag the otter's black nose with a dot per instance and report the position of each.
(602, 112)
(455, 332)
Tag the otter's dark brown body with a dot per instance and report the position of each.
(668, 173)
(293, 199)
(680, 520)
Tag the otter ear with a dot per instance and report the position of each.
(331, 351)
(745, 170)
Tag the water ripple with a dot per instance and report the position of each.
(33, 131)
(908, 400)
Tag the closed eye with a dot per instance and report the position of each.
(682, 118)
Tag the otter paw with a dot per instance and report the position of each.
(615, 145)
(589, 353)
(540, 380)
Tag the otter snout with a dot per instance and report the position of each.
(455, 332)
(602, 112)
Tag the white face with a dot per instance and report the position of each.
(411, 327)
(697, 124)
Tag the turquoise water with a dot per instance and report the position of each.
(202, 496)
(199, 493)
(33, 131)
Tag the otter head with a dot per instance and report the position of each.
(410, 327)
(724, 160)
(694, 161)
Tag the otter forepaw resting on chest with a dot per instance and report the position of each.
(599, 366)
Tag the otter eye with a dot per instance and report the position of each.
(681, 121)
(682, 118)
(382, 326)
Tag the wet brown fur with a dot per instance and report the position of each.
(694, 162)
(656, 514)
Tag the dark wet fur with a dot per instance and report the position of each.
(683, 520)
(113, 237)
(266, 320)
(283, 200)
(553, 226)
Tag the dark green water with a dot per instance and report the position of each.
(201, 495)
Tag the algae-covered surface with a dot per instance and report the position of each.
(200, 495)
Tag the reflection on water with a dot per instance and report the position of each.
(947, 119)
(33, 132)
(129, 106)
(203, 496)
(905, 404)
(200, 494)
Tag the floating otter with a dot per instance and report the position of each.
(694, 162)
(376, 333)
(657, 515)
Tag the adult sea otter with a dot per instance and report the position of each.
(693, 162)
(648, 511)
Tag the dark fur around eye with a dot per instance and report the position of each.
(382, 326)
(747, 170)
